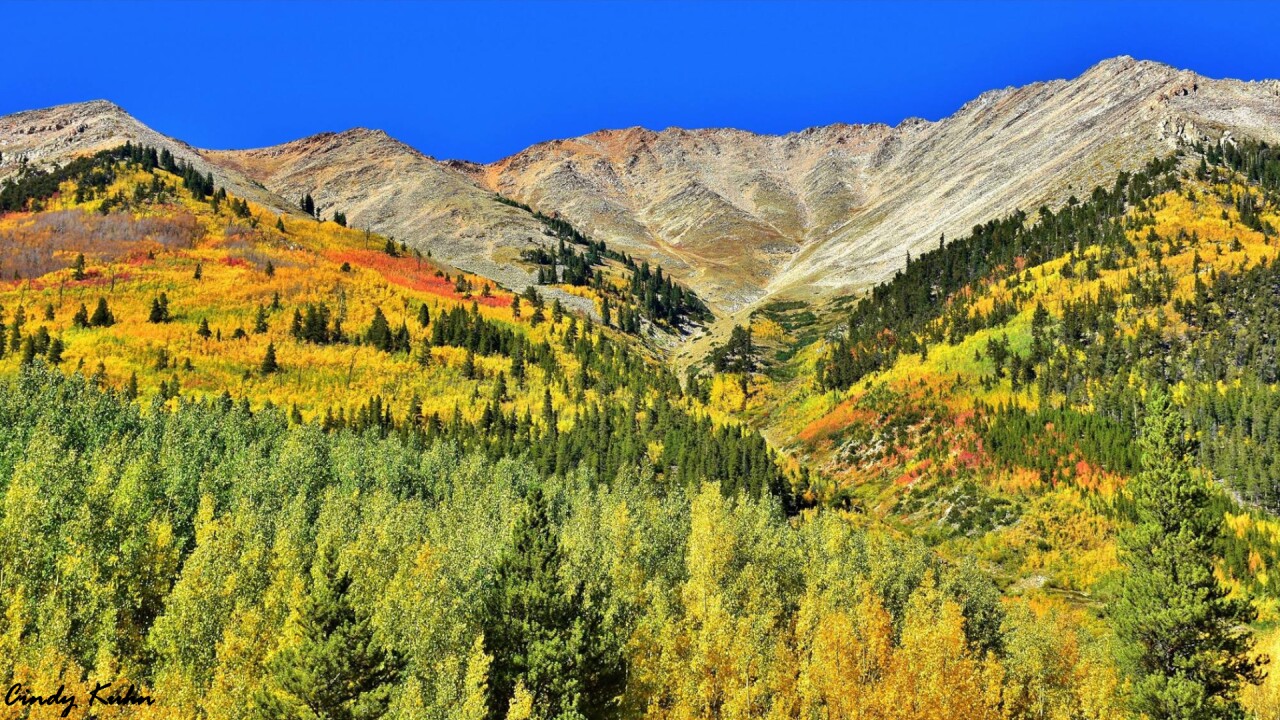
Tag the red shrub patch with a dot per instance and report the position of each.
(411, 273)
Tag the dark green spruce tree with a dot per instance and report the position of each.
(379, 332)
(337, 669)
(102, 316)
(1185, 643)
(160, 309)
(543, 635)
(269, 363)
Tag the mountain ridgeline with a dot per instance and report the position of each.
(736, 217)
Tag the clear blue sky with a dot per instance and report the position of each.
(481, 80)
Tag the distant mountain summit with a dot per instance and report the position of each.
(835, 208)
(738, 216)
(383, 184)
(57, 134)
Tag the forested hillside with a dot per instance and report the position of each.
(140, 274)
(991, 397)
(168, 546)
(1064, 324)
(262, 465)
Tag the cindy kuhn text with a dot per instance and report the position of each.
(102, 694)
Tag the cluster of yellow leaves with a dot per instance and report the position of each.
(1261, 533)
(245, 264)
(764, 329)
(853, 669)
(730, 650)
(1263, 701)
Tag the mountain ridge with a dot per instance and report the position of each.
(852, 186)
(390, 187)
(739, 216)
(62, 132)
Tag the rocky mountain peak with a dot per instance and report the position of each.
(63, 132)
(740, 216)
(744, 216)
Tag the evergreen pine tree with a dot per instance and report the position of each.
(269, 363)
(54, 353)
(549, 413)
(159, 309)
(102, 316)
(27, 351)
(1186, 644)
(379, 332)
(542, 635)
(15, 330)
(517, 364)
(400, 340)
(500, 388)
(469, 365)
(337, 669)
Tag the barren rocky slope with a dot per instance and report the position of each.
(743, 216)
(382, 184)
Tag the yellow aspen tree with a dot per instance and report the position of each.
(847, 656)
(932, 675)
(475, 685)
(521, 707)
(707, 624)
